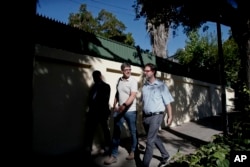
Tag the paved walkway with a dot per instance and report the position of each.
(185, 138)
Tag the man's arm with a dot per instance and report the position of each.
(128, 102)
(116, 94)
(169, 110)
(131, 98)
(115, 101)
(106, 95)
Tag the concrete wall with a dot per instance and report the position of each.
(60, 86)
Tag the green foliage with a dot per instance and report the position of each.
(212, 154)
(232, 61)
(187, 13)
(105, 24)
(83, 20)
(201, 51)
(246, 94)
(217, 152)
(109, 26)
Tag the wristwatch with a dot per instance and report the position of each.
(124, 104)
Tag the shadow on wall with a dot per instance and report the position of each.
(193, 101)
(58, 106)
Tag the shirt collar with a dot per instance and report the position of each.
(156, 82)
(128, 79)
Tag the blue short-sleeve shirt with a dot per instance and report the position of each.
(155, 96)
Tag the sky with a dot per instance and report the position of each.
(59, 10)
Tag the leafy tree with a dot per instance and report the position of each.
(202, 52)
(232, 61)
(199, 51)
(179, 54)
(84, 20)
(105, 24)
(232, 13)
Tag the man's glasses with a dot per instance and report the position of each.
(147, 70)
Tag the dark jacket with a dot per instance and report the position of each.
(99, 105)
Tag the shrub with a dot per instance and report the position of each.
(217, 152)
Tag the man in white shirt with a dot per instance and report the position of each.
(127, 88)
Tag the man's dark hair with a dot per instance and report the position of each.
(97, 75)
(125, 64)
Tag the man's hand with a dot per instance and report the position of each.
(169, 121)
(121, 108)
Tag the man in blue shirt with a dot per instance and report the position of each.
(156, 98)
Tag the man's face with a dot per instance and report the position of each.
(148, 73)
(126, 72)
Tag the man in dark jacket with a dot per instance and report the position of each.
(98, 113)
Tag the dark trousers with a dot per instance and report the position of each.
(151, 126)
(93, 121)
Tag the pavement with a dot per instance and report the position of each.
(185, 139)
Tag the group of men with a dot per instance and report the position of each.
(156, 99)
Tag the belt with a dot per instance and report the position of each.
(152, 114)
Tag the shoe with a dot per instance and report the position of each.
(110, 160)
(164, 162)
(104, 151)
(141, 147)
(131, 156)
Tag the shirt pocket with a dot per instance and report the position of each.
(157, 94)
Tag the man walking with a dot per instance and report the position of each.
(156, 98)
(99, 112)
(126, 111)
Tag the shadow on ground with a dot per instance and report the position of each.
(214, 122)
(78, 158)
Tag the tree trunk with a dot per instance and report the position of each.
(158, 39)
